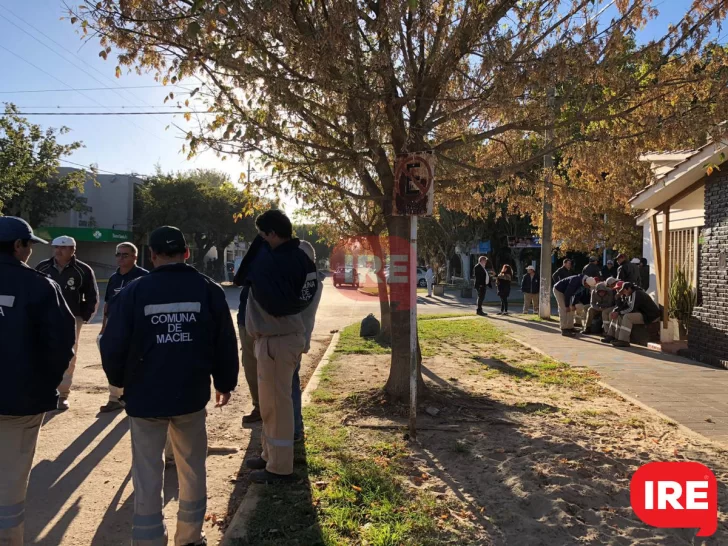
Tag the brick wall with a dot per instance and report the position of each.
(708, 334)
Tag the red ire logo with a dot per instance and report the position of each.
(679, 495)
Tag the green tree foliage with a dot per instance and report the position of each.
(30, 183)
(204, 204)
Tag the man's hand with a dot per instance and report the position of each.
(221, 399)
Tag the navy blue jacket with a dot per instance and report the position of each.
(572, 288)
(530, 285)
(38, 332)
(118, 281)
(284, 280)
(168, 332)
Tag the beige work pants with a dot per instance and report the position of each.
(115, 393)
(188, 437)
(566, 318)
(594, 313)
(530, 300)
(580, 314)
(18, 438)
(65, 387)
(277, 360)
(250, 365)
(621, 328)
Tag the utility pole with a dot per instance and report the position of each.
(547, 226)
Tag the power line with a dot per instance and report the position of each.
(109, 106)
(94, 168)
(111, 113)
(91, 89)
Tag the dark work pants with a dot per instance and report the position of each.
(504, 304)
(481, 297)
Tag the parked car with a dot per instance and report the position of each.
(421, 280)
(346, 275)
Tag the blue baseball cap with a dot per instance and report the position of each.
(13, 228)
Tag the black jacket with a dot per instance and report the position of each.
(530, 285)
(644, 271)
(78, 283)
(592, 270)
(629, 272)
(504, 286)
(639, 302)
(38, 332)
(117, 281)
(562, 273)
(168, 332)
(482, 278)
(606, 272)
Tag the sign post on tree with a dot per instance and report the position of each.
(414, 191)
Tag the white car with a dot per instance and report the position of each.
(421, 280)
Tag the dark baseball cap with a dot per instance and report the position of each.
(13, 228)
(167, 240)
(627, 285)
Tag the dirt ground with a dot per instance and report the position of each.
(532, 463)
(80, 490)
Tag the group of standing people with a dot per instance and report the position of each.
(485, 277)
(166, 336)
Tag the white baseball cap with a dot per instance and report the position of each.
(530, 267)
(64, 240)
(635, 260)
(590, 281)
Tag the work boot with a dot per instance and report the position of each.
(252, 417)
(607, 339)
(620, 343)
(112, 405)
(481, 313)
(257, 463)
(62, 403)
(567, 333)
(263, 476)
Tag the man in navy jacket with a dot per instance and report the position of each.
(530, 286)
(168, 333)
(568, 293)
(39, 332)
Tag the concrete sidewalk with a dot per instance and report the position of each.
(692, 394)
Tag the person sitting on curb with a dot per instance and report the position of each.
(634, 307)
(602, 304)
(567, 292)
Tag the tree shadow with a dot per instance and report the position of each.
(51, 483)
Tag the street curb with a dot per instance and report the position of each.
(237, 531)
(636, 401)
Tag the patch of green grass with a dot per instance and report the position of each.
(595, 423)
(634, 422)
(461, 446)
(596, 413)
(351, 343)
(457, 332)
(536, 318)
(421, 318)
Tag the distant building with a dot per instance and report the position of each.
(108, 221)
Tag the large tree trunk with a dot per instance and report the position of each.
(386, 316)
(398, 384)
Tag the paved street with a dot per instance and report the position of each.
(690, 393)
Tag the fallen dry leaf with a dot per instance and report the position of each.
(356, 488)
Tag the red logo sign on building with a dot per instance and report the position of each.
(676, 495)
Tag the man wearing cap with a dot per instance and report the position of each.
(627, 271)
(568, 293)
(634, 307)
(167, 333)
(78, 283)
(592, 269)
(283, 283)
(127, 271)
(530, 286)
(608, 270)
(601, 305)
(39, 332)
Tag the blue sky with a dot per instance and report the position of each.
(117, 144)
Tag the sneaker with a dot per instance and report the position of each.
(112, 405)
(506, 313)
(263, 476)
(62, 403)
(257, 463)
(619, 343)
(252, 417)
(499, 313)
(607, 339)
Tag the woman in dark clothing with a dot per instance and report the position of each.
(504, 287)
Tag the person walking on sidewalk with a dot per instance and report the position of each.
(504, 287)
(530, 287)
(635, 307)
(482, 281)
(429, 279)
(39, 333)
(127, 270)
(567, 293)
(166, 335)
(78, 283)
(283, 283)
